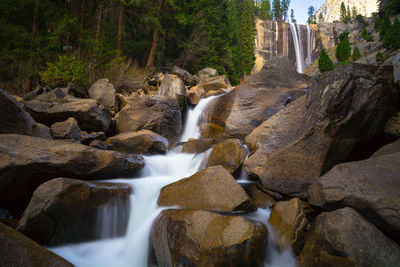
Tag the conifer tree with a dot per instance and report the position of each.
(277, 10)
(265, 10)
(285, 7)
(247, 38)
(343, 12)
(324, 62)
(343, 51)
(356, 53)
(310, 14)
(292, 19)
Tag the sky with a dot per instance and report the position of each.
(300, 8)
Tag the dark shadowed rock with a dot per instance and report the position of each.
(259, 197)
(65, 211)
(68, 129)
(13, 118)
(18, 250)
(87, 138)
(290, 222)
(230, 154)
(194, 146)
(344, 108)
(26, 162)
(210, 189)
(201, 238)
(372, 187)
(173, 87)
(98, 144)
(346, 234)
(104, 92)
(42, 131)
(57, 105)
(160, 114)
(393, 125)
(185, 76)
(141, 142)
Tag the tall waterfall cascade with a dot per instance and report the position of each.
(295, 41)
(132, 249)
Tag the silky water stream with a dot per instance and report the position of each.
(159, 171)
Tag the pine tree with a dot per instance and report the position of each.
(320, 18)
(292, 19)
(285, 7)
(392, 36)
(247, 38)
(343, 12)
(356, 53)
(277, 10)
(310, 14)
(343, 50)
(324, 62)
(265, 10)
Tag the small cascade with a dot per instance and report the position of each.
(299, 55)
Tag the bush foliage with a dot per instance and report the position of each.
(343, 51)
(325, 63)
(356, 53)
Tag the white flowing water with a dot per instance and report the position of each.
(299, 54)
(132, 249)
(308, 59)
(300, 36)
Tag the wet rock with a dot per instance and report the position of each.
(159, 114)
(65, 211)
(13, 118)
(141, 142)
(68, 129)
(185, 76)
(26, 162)
(104, 92)
(210, 189)
(230, 154)
(173, 87)
(372, 187)
(290, 222)
(18, 250)
(194, 97)
(260, 198)
(98, 144)
(343, 109)
(86, 138)
(346, 234)
(194, 146)
(207, 73)
(201, 238)
(237, 113)
(57, 105)
(42, 131)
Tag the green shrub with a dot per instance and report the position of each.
(384, 27)
(343, 51)
(344, 62)
(356, 53)
(324, 62)
(392, 36)
(65, 69)
(343, 36)
(366, 36)
(361, 20)
(380, 57)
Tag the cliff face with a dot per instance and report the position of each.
(331, 9)
(278, 38)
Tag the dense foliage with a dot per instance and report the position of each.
(343, 50)
(366, 36)
(389, 7)
(356, 53)
(162, 33)
(389, 33)
(324, 62)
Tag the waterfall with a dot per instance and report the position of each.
(132, 249)
(308, 59)
(299, 35)
(299, 55)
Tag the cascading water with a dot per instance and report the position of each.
(299, 35)
(308, 59)
(299, 57)
(159, 171)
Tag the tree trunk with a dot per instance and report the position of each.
(35, 27)
(150, 60)
(35, 23)
(82, 24)
(120, 27)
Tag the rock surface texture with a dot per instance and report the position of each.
(202, 238)
(174, 87)
(342, 109)
(104, 92)
(64, 211)
(26, 162)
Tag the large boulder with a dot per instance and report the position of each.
(42, 131)
(230, 154)
(347, 234)
(202, 238)
(207, 73)
(173, 87)
(57, 105)
(68, 129)
(65, 211)
(237, 113)
(208, 87)
(388, 149)
(160, 114)
(185, 76)
(194, 146)
(104, 92)
(372, 187)
(210, 189)
(18, 250)
(344, 108)
(141, 142)
(393, 125)
(289, 220)
(260, 198)
(13, 118)
(26, 162)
